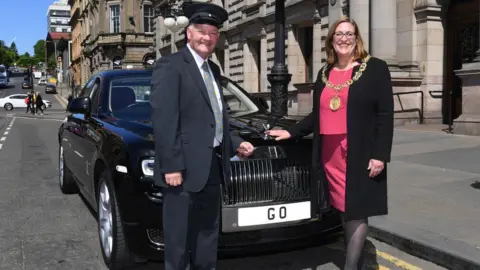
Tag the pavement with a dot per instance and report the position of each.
(432, 189)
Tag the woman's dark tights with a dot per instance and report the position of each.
(355, 235)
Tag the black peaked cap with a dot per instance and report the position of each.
(206, 13)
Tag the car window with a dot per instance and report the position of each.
(88, 88)
(129, 97)
(94, 96)
(238, 103)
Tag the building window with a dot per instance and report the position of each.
(148, 18)
(115, 18)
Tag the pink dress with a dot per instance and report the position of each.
(333, 129)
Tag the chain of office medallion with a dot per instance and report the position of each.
(338, 87)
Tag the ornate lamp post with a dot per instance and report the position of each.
(279, 77)
(173, 19)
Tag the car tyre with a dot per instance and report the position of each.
(113, 244)
(8, 106)
(65, 179)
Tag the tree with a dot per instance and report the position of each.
(7, 56)
(13, 49)
(25, 60)
(39, 50)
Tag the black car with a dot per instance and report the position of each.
(26, 84)
(107, 152)
(50, 88)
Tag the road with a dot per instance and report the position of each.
(42, 229)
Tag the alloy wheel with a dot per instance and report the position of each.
(61, 167)
(105, 219)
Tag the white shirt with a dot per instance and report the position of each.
(199, 60)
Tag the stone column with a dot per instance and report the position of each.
(335, 11)
(295, 60)
(429, 54)
(317, 44)
(360, 13)
(263, 61)
(469, 122)
(226, 56)
(384, 31)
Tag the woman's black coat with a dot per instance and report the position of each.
(369, 136)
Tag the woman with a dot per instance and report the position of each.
(39, 103)
(352, 123)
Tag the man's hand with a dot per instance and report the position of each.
(375, 167)
(174, 179)
(278, 134)
(245, 149)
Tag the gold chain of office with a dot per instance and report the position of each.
(335, 101)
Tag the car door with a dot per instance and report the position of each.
(18, 101)
(75, 155)
(90, 139)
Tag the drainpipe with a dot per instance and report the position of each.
(369, 26)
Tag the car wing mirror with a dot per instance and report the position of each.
(80, 105)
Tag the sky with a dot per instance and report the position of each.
(25, 21)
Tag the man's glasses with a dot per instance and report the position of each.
(339, 35)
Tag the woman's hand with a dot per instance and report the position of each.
(375, 167)
(278, 134)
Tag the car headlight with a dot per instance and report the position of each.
(147, 167)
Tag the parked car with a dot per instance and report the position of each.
(50, 88)
(42, 81)
(26, 84)
(18, 101)
(106, 152)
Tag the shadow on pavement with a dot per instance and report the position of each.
(475, 185)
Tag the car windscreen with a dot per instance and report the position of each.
(129, 98)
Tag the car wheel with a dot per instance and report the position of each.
(8, 106)
(44, 107)
(110, 228)
(65, 178)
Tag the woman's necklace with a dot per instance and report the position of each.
(335, 101)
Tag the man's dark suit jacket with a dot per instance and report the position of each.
(183, 121)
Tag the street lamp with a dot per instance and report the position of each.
(175, 24)
(279, 77)
(174, 21)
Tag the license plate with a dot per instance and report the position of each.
(280, 213)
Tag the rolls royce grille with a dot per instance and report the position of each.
(268, 180)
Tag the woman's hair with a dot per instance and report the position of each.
(359, 52)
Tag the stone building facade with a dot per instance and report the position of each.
(111, 34)
(430, 46)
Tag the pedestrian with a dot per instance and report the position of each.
(192, 142)
(29, 102)
(69, 100)
(352, 125)
(39, 103)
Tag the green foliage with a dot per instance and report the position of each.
(9, 55)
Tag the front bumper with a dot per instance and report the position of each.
(144, 232)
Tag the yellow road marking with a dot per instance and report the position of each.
(394, 260)
(397, 261)
(62, 102)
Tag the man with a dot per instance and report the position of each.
(192, 142)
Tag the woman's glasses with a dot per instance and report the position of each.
(340, 35)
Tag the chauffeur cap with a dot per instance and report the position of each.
(206, 13)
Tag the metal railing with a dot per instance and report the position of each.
(403, 110)
(438, 94)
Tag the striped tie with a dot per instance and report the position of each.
(213, 100)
